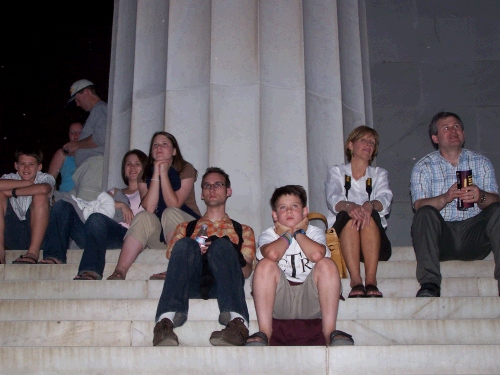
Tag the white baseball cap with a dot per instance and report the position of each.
(78, 86)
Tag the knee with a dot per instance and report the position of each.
(495, 207)
(95, 222)
(184, 247)
(170, 218)
(266, 268)
(425, 212)
(326, 266)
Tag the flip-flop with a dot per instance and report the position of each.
(50, 261)
(263, 340)
(115, 276)
(158, 276)
(357, 291)
(29, 260)
(340, 338)
(372, 291)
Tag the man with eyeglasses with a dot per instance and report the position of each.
(229, 251)
(88, 150)
(441, 229)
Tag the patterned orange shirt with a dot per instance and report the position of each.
(220, 228)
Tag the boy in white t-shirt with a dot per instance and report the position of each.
(295, 277)
(25, 205)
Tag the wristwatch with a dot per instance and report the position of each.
(13, 193)
(300, 231)
(482, 199)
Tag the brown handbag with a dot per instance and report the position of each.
(333, 243)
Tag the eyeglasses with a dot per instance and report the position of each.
(208, 186)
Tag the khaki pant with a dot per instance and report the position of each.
(297, 302)
(88, 179)
(146, 228)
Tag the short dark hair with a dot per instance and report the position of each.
(220, 171)
(143, 158)
(296, 190)
(433, 130)
(29, 150)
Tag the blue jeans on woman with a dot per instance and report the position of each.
(97, 234)
(182, 281)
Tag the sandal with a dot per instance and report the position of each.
(116, 276)
(50, 261)
(261, 339)
(340, 338)
(88, 275)
(357, 291)
(372, 291)
(158, 276)
(25, 259)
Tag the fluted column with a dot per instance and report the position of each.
(256, 87)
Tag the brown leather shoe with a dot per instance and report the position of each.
(164, 334)
(234, 334)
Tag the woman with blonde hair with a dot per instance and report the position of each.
(359, 197)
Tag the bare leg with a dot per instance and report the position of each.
(350, 245)
(327, 279)
(265, 280)
(39, 220)
(370, 246)
(3, 211)
(131, 249)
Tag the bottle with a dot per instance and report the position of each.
(202, 235)
(464, 179)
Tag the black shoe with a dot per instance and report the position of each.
(164, 334)
(429, 290)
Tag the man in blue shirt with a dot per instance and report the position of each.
(440, 231)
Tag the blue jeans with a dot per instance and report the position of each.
(17, 234)
(183, 278)
(64, 223)
(96, 235)
(101, 233)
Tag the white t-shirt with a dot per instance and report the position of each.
(294, 263)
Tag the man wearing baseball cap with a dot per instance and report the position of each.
(89, 149)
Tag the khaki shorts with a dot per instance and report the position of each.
(88, 179)
(297, 302)
(146, 228)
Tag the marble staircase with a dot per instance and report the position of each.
(50, 324)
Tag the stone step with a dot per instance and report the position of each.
(142, 271)
(375, 360)
(351, 309)
(69, 289)
(197, 333)
(155, 256)
(158, 255)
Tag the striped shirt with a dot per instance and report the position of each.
(21, 204)
(433, 175)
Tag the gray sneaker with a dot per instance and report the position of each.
(164, 334)
(234, 334)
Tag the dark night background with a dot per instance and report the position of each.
(45, 47)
